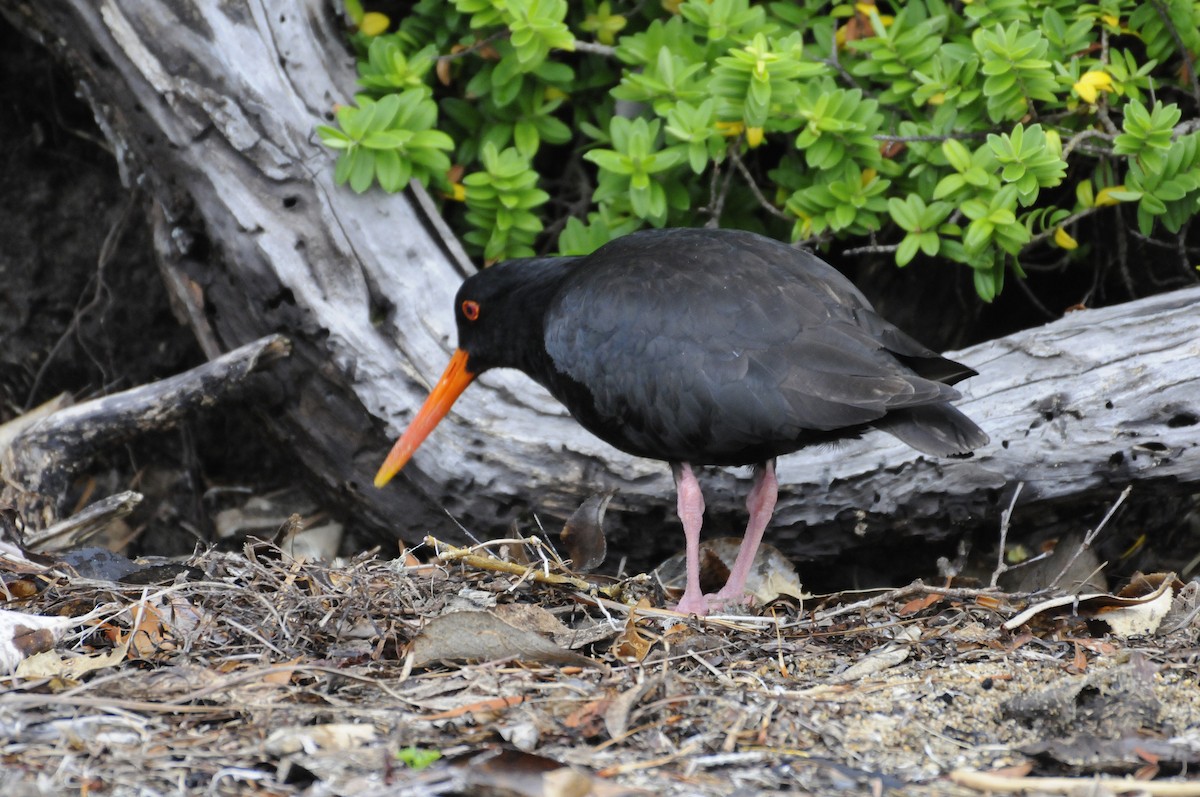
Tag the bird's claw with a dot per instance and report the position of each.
(702, 605)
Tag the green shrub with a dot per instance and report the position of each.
(980, 133)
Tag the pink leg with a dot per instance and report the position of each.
(761, 503)
(691, 512)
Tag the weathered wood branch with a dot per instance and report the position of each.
(84, 524)
(40, 460)
(214, 111)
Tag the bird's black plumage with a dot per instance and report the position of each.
(711, 347)
(701, 347)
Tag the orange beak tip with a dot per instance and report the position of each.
(453, 382)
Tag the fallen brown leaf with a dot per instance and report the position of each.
(509, 773)
(482, 636)
(583, 533)
(490, 705)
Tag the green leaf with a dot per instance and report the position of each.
(906, 212)
(948, 185)
(989, 282)
(525, 136)
(930, 243)
(957, 155)
(978, 235)
(333, 138)
(362, 169)
(610, 161)
(907, 249)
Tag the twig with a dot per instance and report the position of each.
(42, 459)
(108, 250)
(476, 46)
(595, 48)
(873, 249)
(716, 204)
(1091, 535)
(915, 588)
(1184, 53)
(758, 194)
(1005, 517)
(1023, 286)
(1075, 140)
(467, 556)
(933, 137)
(989, 782)
(84, 524)
(1041, 236)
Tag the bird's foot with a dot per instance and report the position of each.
(702, 604)
(693, 603)
(736, 597)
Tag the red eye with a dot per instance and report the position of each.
(470, 310)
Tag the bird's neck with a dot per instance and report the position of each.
(528, 300)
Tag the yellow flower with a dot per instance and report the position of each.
(806, 228)
(458, 192)
(863, 24)
(373, 23)
(1091, 83)
(937, 99)
(1105, 197)
(754, 136)
(869, 9)
(867, 176)
(1063, 239)
(730, 129)
(1112, 20)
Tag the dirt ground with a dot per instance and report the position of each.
(256, 672)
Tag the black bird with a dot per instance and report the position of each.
(701, 347)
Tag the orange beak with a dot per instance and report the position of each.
(453, 382)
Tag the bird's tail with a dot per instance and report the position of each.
(937, 429)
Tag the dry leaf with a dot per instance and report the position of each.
(147, 637)
(988, 602)
(315, 738)
(510, 773)
(583, 533)
(283, 676)
(919, 604)
(481, 708)
(482, 636)
(53, 664)
(1138, 610)
(616, 718)
(883, 658)
(23, 635)
(534, 618)
(587, 721)
(632, 644)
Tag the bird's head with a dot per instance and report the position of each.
(499, 314)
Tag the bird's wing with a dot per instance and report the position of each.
(738, 348)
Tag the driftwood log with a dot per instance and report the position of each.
(41, 451)
(211, 108)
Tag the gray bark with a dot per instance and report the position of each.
(41, 452)
(212, 107)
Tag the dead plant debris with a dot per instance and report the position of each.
(257, 672)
